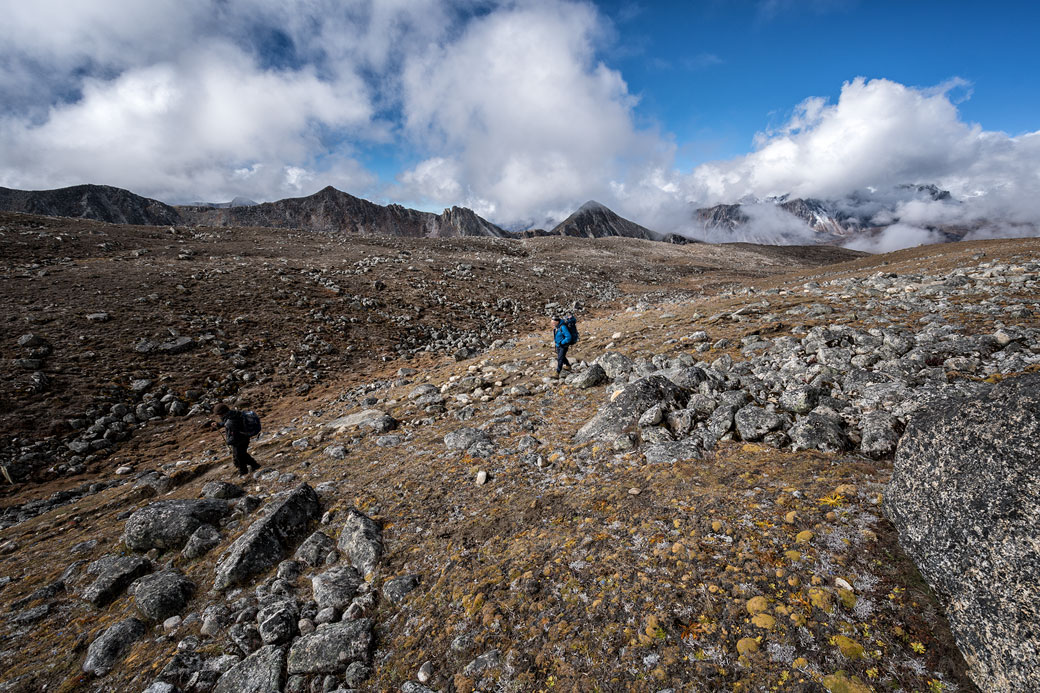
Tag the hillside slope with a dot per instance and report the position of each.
(518, 540)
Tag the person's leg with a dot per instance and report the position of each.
(241, 459)
(566, 363)
(561, 356)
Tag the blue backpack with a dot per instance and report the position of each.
(251, 423)
(571, 323)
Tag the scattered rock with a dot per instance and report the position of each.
(114, 575)
(112, 645)
(331, 648)
(269, 539)
(261, 672)
(161, 595)
(168, 524)
(361, 539)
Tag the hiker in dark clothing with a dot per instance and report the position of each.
(563, 339)
(236, 437)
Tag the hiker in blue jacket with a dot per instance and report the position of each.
(563, 338)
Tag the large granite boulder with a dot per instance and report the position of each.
(112, 645)
(161, 595)
(361, 539)
(270, 539)
(628, 405)
(168, 524)
(114, 575)
(965, 498)
(261, 672)
(331, 648)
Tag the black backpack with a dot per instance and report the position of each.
(571, 323)
(250, 424)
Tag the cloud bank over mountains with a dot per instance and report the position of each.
(505, 107)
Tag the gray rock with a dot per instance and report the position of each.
(492, 659)
(396, 589)
(652, 416)
(168, 524)
(413, 687)
(816, 432)
(703, 405)
(221, 489)
(261, 672)
(114, 575)
(336, 587)
(355, 675)
(269, 539)
(177, 345)
(678, 451)
(721, 421)
(800, 400)
(615, 365)
(754, 422)
(688, 378)
(112, 645)
(963, 498)
(276, 622)
(331, 648)
(161, 595)
(465, 438)
(315, 549)
(879, 433)
(201, 541)
(591, 377)
(361, 539)
(369, 419)
(626, 408)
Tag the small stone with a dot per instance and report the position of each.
(634, 491)
(425, 672)
(172, 623)
(482, 477)
(804, 537)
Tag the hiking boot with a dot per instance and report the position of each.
(567, 367)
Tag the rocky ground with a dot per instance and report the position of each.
(697, 507)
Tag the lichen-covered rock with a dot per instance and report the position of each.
(591, 377)
(629, 404)
(965, 498)
(168, 524)
(361, 539)
(204, 538)
(261, 672)
(396, 589)
(276, 621)
(269, 539)
(817, 432)
(614, 364)
(114, 575)
(331, 648)
(111, 646)
(879, 432)
(754, 422)
(161, 595)
(315, 549)
(336, 587)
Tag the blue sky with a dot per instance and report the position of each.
(714, 73)
(524, 110)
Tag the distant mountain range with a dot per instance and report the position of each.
(832, 221)
(775, 220)
(328, 210)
